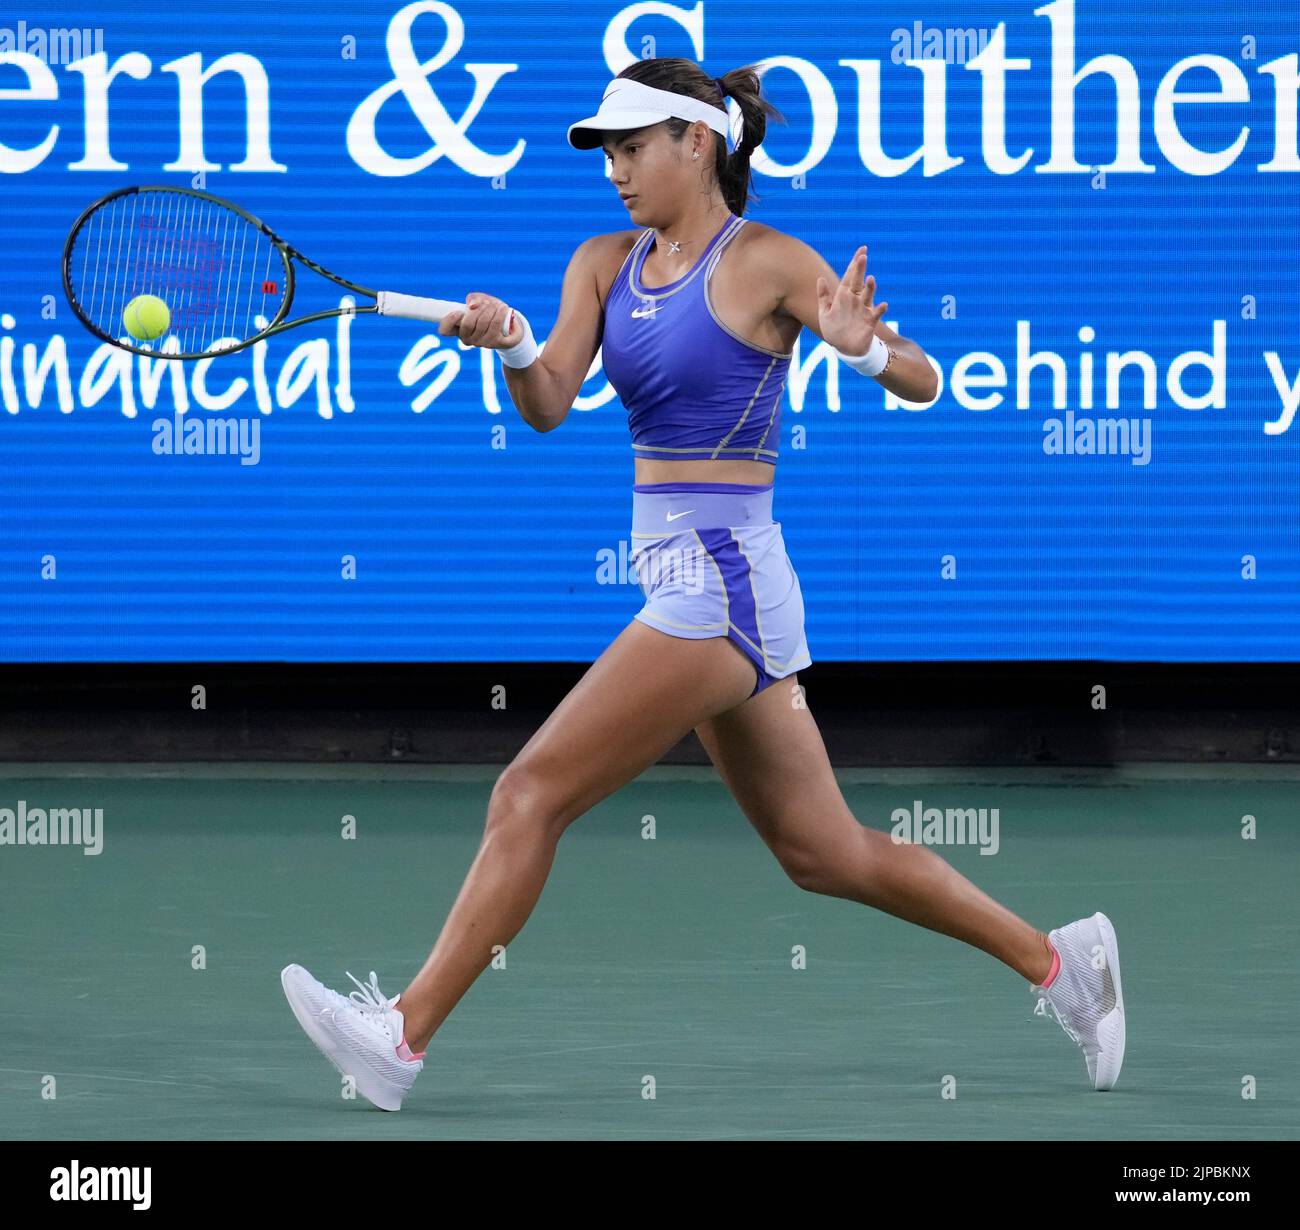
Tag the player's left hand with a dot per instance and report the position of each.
(846, 315)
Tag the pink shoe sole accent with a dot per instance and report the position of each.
(404, 1052)
(1056, 967)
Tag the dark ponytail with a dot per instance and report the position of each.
(742, 84)
(734, 176)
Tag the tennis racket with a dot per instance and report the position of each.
(216, 267)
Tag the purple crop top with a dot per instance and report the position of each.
(692, 388)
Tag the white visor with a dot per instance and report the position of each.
(630, 104)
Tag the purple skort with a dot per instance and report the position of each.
(712, 562)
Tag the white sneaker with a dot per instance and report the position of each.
(361, 1034)
(1085, 996)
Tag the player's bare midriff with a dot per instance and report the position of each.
(746, 309)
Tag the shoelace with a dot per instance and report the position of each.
(1062, 1020)
(1090, 1047)
(370, 1001)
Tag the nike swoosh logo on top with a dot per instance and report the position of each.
(639, 312)
(674, 516)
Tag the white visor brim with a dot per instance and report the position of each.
(631, 104)
(589, 133)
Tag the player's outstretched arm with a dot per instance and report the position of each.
(842, 311)
(544, 391)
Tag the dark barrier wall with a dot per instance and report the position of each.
(877, 714)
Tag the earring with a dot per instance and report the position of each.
(695, 155)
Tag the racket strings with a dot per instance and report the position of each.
(221, 278)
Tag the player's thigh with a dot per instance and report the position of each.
(770, 754)
(642, 695)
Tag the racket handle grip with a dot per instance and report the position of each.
(415, 307)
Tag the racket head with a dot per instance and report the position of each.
(215, 265)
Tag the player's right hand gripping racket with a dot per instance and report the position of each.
(215, 266)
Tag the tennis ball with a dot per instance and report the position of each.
(146, 318)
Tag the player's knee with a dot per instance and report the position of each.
(835, 864)
(808, 868)
(522, 802)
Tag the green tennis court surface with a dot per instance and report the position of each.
(668, 959)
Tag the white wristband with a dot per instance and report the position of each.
(870, 364)
(523, 352)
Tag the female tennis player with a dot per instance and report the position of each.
(696, 311)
